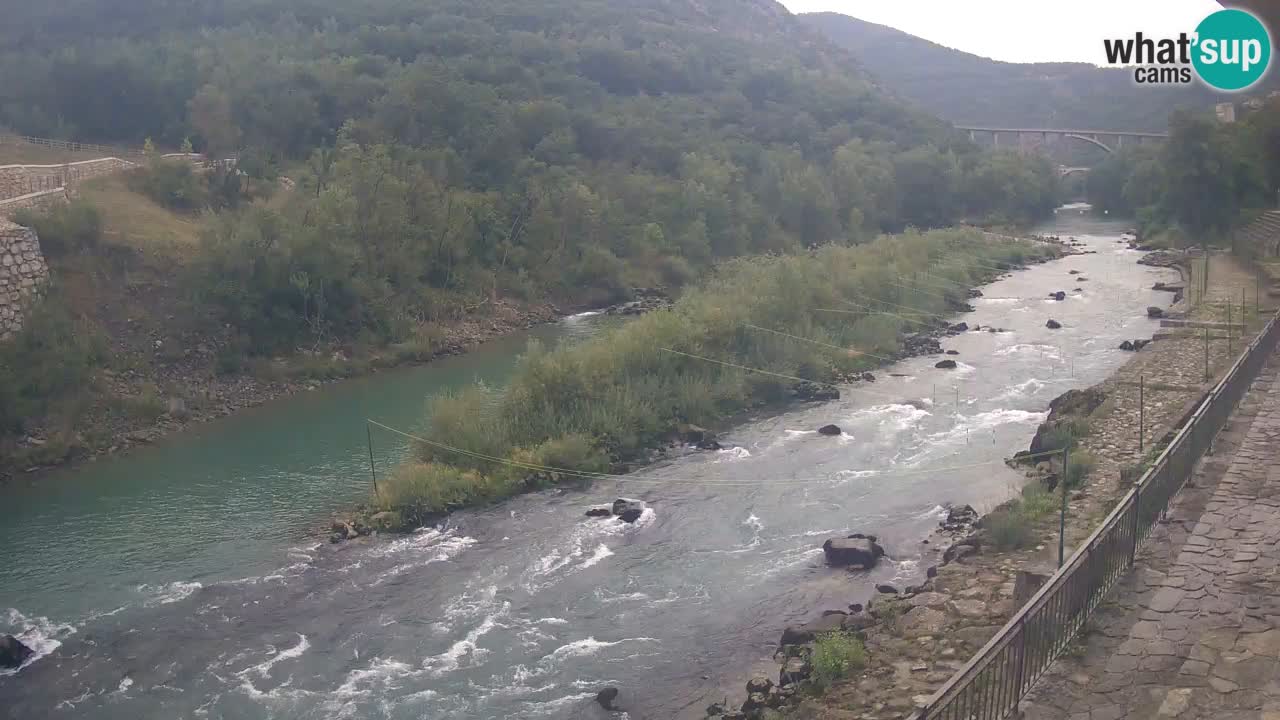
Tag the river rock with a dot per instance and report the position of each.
(606, 697)
(754, 702)
(845, 552)
(793, 635)
(759, 684)
(1126, 345)
(945, 364)
(829, 430)
(887, 589)
(600, 511)
(959, 327)
(1060, 295)
(920, 344)
(1154, 312)
(1053, 324)
(809, 390)
(12, 652)
(1073, 272)
(959, 518)
(794, 670)
(975, 294)
(953, 352)
(628, 510)
(868, 377)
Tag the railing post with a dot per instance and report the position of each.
(1137, 513)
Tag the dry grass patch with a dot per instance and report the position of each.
(133, 220)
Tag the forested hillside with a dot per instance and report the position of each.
(448, 150)
(971, 90)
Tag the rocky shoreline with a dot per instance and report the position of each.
(917, 637)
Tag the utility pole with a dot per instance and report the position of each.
(1062, 516)
(1142, 411)
(368, 431)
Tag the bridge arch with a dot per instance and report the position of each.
(1106, 148)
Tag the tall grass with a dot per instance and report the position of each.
(623, 393)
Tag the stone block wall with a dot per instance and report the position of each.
(40, 201)
(17, 180)
(23, 275)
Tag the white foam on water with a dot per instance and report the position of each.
(451, 659)
(906, 569)
(551, 707)
(263, 669)
(602, 552)
(583, 550)
(937, 511)
(380, 676)
(1048, 351)
(167, 593)
(733, 453)
(40, 634)
(997, 300)
(1022, 389)
(445, 547)
(552, 621)
(588, 313)
(972, 428)
(70, 703)
(898, 416)
(125, 684)
(589, 646)
(606, 596)
(790, 558)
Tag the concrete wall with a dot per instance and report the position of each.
(23, 275)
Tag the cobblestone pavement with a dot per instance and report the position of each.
(1194, 631)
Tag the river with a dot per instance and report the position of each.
(189, 580)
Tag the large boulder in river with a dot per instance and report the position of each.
(606, 697)
(861, 552)
(1155, 312)
(1059, 296)
(1053, 324)
(600, 512)
(12, 652)
(628, 510)
(829, 430)
(945, 364)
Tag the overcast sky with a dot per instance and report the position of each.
(1024, 30)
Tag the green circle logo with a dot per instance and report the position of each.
(1232, 51)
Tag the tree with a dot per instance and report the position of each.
(212, 119)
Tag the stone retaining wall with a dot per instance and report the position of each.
(19, 180)
(35, 201)
(23, 275)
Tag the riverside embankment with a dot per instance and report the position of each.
(188, 586)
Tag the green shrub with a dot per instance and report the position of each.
(65, 229)
(51, 359)
(171, 183)
(146, 405)
(836, 655)
(1009, 528)
(1079, 465)
(621, 392)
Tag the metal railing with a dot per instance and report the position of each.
(992, 683)
(73, 146)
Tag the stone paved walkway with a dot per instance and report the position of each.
(1194, 631)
